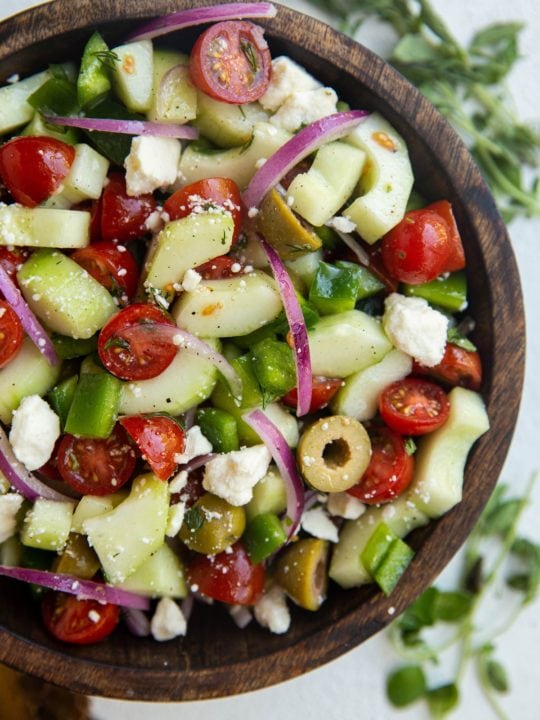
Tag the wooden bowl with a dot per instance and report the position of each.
(217, 659)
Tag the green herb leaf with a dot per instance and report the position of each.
(456, 338)
(108, 58)
(452, 606)
(497, 676)
(410, 446)
(502, 518)
(406, 685)
(194, 519)
(249, 52)
(442, 700)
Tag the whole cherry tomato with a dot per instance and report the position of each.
(159, 438)
(457, 367)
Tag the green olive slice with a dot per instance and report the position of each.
(77, 558)
(212, 525)
(283, 229)
(334, 453)
(301, 570)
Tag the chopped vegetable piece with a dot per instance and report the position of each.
(449, 292)
(264, 535)
(220, 427)
(94, 406)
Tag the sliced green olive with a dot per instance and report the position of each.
(212, 524)
(283, 229)
(334, 453)
(301, 570)
(77, 558)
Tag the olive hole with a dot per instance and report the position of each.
(336, 453)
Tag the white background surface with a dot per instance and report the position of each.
(352, 687)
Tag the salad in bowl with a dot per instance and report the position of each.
(238, 361)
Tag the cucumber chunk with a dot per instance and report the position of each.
(441, 455)
(47, 525)
(343, 344)
(15, 110)
(387, 179)
(174, 97)
(359, 396)
(227, 125)
(37, 126)
(269, 495)
(230, 307)
(93, 81)
(129, 535)
(86, 177)
(321, 191)
(183, 244)
(162, 575)
(63, 295)
(29, 374)
(187, 381)
(133, 75)
(44, 226)
(90, 506)
(238, 164)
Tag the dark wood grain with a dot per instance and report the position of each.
(216, 659)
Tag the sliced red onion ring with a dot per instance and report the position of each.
(137, 622)
(352, 244)
(22, 479)
(30, 323)
(83, 589)
(241, 615)
(295, 318)
(284, 459)
(297, 148)
(197, 462)
(198, 16)
(186, 606)
(126, 127)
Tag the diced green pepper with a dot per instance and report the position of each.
(220, 427)
(274, 368)
(449, 293)
(94, 409)
(93, 82)
(38, 126)
(334, 289)
(58, 96)
(393, 566)
(263, 536)
(376, 547)
(68, 348)
(368, 284)
(61, 397)
(329, 237)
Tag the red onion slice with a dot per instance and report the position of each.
(197, 462)
(30, 323)
(297, 324)
(125, 127)
(22, 479)
(198, 16)
(136, 621)
(284, 459)
(83, 589)
(297, 148)
(241, 615)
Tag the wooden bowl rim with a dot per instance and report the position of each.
(164, 683)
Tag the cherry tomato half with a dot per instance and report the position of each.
(212, 191)
(159, 438)
(323, 390)
(11, 333)
(229, 577)
(112, 265)
(417, 249)
(32, 167)
(414, 406)
(457, 367)
(94, 466)
(11, 259)
(82, 622)
(218, 268)
(123, 217)
(231, 62)
(390, 469)
(133, 344)
(456, 256)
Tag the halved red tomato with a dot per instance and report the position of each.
(123, 217)
(219, 268)
(231, 62)
(414, 406)
(323, 390)
(159, 438)
(95, 466)
(32, 168)
(133, 344)
(229, 577)
(112, 265)
(81, 622)
(11, 259)
(390, 469)
(457, 367)
(11, 333)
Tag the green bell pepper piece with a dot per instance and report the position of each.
(57, 96)
(263, 536)
(93, 82)
(376, 547)
(393, 566)
(274, 367)
(68, 348)
(447, 292)
(220, 427)
(61, 397)
(368, 284)
(94, 409)
(334, 289)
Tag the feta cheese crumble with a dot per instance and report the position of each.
(190, 280)
(346, 506)
(196, 444)
(317, 523)
(152, 163)
(35, 428)
(10, 505)
(415, 328)
(303, 108)
(168, 621)
(271, 611)
(286, 78)
(233, 475)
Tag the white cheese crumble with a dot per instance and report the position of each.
(303, 108)
(168, 621)
(196, 444)
(341, 224)
(175, 519)
(178, 482)
(10, 505)
(152, 163)
(317, 523)
(286, 78)
(346, 506)
(35, 428)
(233, 475)
(191, 280)
(271, 611)
(415, 328)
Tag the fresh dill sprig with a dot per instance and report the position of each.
(468, 85)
